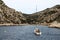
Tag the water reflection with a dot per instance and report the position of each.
(27, 33)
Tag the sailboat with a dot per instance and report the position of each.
(37, 32)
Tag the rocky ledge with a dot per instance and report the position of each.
(54, 25)
(49, 16)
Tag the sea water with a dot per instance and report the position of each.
(27, 33)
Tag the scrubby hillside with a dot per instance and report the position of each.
(48, 15)
(9, 15)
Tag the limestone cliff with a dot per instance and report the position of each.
(9, 15)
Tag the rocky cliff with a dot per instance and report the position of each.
(11, 16)
(48, 15)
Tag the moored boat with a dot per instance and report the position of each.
(37, 32)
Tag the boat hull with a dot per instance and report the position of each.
(37, 33)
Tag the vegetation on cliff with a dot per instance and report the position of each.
(9, 15)
(48, 15)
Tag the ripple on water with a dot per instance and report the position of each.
(26, 33)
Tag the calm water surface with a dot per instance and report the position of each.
(26, 33)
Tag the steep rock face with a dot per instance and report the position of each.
(9, 15)
(46, 16)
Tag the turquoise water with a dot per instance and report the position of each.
(26, 33)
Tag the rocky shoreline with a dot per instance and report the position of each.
(13, 24)
(50, 25)
(10, 17)
(54, 25)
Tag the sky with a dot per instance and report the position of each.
(29, 6)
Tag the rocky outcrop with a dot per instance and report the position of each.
(48, 15)
(9, 15)
(45, 17)
(54, 24)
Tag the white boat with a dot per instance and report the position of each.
(37, 32)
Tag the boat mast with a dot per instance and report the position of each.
(36, 9)
(36, 5)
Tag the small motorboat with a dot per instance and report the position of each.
(37, 32)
